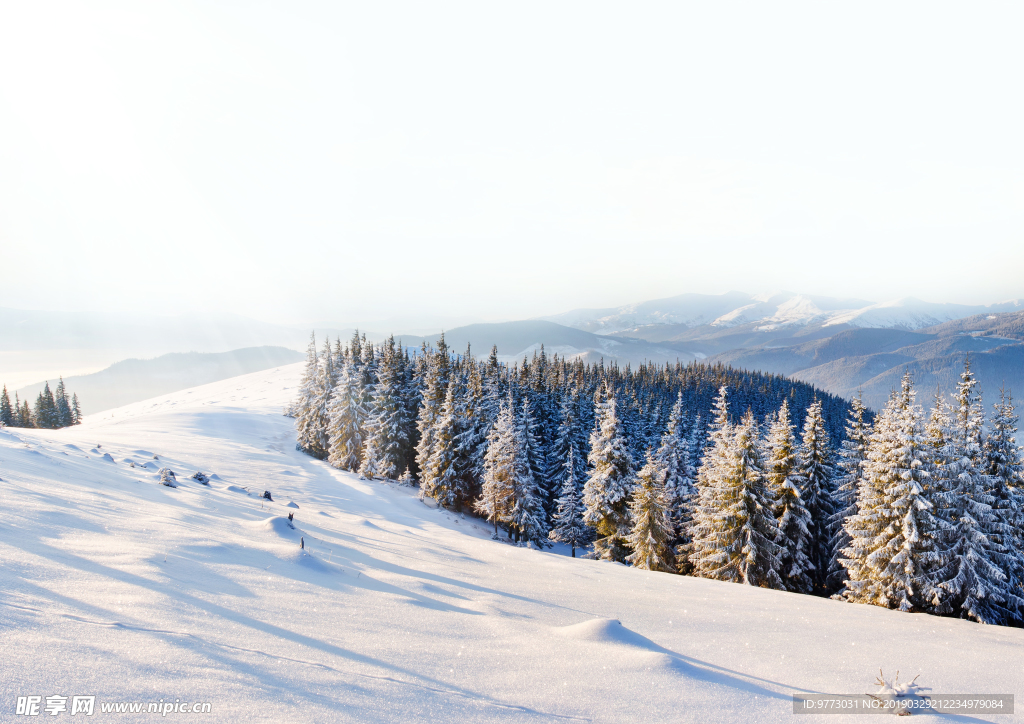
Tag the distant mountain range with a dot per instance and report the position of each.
(873, 360)
(664, 319)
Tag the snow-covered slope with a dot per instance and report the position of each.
(115, 586)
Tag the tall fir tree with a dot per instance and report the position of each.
(610, 483)
(527, 516)
(974, 583)
(302, 401)
(46, 409)
(735, 531)
(347, 419)
(62, 406)
(893, 551)
(651, 532)
(313, 419)
(569, 526)
(852, 456)
(6, 411)
(498, 490)
(437, 369)
(1005, 472)
(386, 448)
(673, 457)
(445, 475)
(817, 475)
(76, 410)
(784, 481)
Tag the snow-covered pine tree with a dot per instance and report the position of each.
(735, 530)
(386, 449)
(480, 413)
(651, 532)
(610, 483)
(448, 479)
(46, 409)
(312, 423)
(76, 410)
(437, 364)
(852, 456)
(347, 419)
(673, 457)
(974, 583)
(893, 551)
(24, 414)
(569, 527)
(527, 516)
(302, 401)
(63, 416)
(498, 489)
(6, 412)
(1006, 480)
(784, 482)
(816, 473)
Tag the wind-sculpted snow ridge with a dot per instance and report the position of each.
(372, 606)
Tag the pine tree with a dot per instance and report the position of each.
(735, 530)
(498, 490)
(76, 410)
(816, 489)
(607, 490)
(386, 448)
(347, 419)
(974, 583)
(62, 407)
(569, 526)
(852, 456)
(435, 390)
(1006, 480)
(302, 401)
(6, 413)
(651, 535)
(673, 457)
(313, 419)
(23, 414)
(893, 551)
(46, 409)
(784, 481)
(445, 473)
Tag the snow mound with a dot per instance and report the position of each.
(108, 457)
(236, 489)
(291, 504)
(608, 631)
(278, 526)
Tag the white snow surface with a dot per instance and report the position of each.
(396, 611)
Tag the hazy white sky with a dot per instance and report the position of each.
(296, 160)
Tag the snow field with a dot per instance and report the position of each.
(114, 585)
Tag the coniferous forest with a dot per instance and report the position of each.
(52, 410)
(694, 469)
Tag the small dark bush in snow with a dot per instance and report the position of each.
(200, 477)
(167, 478)
(266, 495)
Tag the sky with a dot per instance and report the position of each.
(297, 161)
